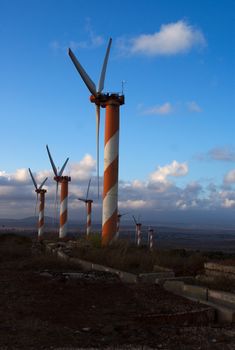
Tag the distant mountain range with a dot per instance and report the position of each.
(31, 222)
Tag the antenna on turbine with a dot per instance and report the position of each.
(123, 82)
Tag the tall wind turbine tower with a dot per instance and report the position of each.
(88, 203)
(111, 102)
(63, 180)
(41, 192)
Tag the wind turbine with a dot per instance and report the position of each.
(111, 102)
(63, 180)
(150, 237)
(88, 203)
(137, 230)
(118, 224)
(41, 192)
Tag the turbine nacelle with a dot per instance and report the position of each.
(62, 178)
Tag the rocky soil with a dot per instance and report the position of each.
(49, 304)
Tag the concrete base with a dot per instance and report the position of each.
(219, 270)
(222, 302)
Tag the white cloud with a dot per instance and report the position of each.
(137, 184)
(21, 175)
(174, 169)
(181, 204)
(84, 169)
(230, 177)
(228, 203)
(164, 109)
(133, 204)
(194, 107)
(172, 39)
(154, 197)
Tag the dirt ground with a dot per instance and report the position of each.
(42, 308)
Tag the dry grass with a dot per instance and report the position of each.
(19, 248)
(128, 257)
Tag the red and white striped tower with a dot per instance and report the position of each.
(118, 225)
(150, 238)
(88, 203)
(138, 234)
(63, 180)
(88, 219)
(111, 103)
(41, 212)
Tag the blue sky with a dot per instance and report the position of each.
(177, 59)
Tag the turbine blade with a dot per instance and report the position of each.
(102, 75)
(88, 187)
(40, 187)
(62, 169)
(134, 219)
(33, 179)
(82, 199)
(85, 77)
(98, 146)
(51, 161)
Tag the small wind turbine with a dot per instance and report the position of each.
(111, 102)
(88, 203)
(63, 180)
(41, 192)
(137, 230)
(150, 237)
(118, 224)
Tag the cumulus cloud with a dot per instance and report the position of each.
(164, 109)
(193, 107)
(228, 203)
(227, 198)
(84, 169)
(174, 169)
(229, 178)
(21, 175)
(154, 197)
(171, 39)
(133, 204)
